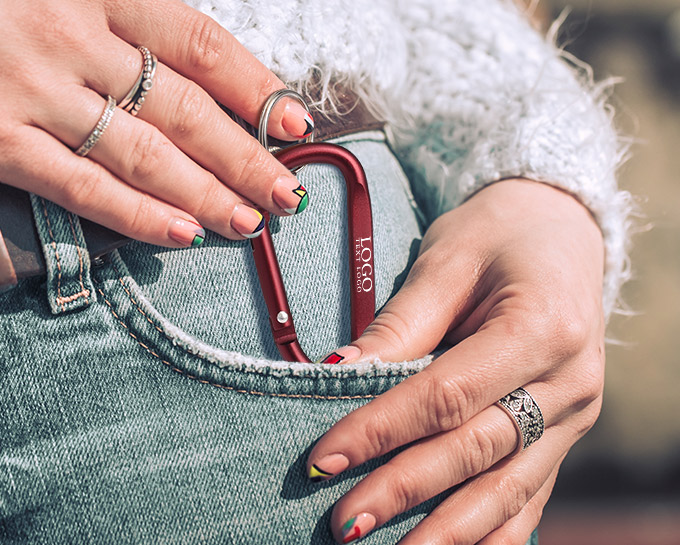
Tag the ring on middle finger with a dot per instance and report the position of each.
(134, 99)
(525, 414)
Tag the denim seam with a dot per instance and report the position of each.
(174, 341)
(62, 301)
(53, 244)
(85, 292)
(221, 386)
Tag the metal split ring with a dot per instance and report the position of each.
(526, 415)
(99, 128)
(267, 110)
(134, 99)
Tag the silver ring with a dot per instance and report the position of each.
(134, 99)
(267, 110)
(99, 128)
(526, 415)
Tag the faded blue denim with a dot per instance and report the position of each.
(128, 413)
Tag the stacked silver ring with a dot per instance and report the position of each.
(134, 100)
(99, 128)
(525, 414)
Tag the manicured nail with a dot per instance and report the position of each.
(247, 221)
(344, 354)
(297, 121)
(357, 527)
(328, 467)
(187, 233)
(290, 195)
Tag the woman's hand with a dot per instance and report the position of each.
(513, 280)
(182, 161)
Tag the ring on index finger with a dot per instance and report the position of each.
(526, 415)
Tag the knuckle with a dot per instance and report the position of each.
(592, 385)
(138, 220)
(447, 402)
(514, 496)
(206, 44)
(79, 188)
(250, 163)
(572, 332)
(211, 199)
(376, 435)
(402, 491)
(148, 155)
(190, 110)
(477, 452)
(588, 417)
(392, 329)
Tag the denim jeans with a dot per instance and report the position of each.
(141, 396)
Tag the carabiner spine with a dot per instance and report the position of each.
(360, 245)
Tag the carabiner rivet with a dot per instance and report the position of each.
(282, 317)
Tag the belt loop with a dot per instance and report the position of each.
(69, 286)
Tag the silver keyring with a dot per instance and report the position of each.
(267, 110)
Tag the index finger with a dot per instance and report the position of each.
(461, 383)
(197, 47)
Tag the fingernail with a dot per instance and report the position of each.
(357, 527)
(187, 233)
(344, 354)
(290, 195)
(328, 467)
(297, 121)
(247, 221)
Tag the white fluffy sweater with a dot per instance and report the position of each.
(471, 93)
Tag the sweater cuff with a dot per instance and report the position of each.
(511, 106)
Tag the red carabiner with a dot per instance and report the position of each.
(362, 291)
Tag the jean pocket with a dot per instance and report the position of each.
(201, 311)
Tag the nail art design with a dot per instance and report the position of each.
(260, 226)
(329, 466)
(290, 195)
(334, 357)
(304, 200)
(187, 233)
(310, 125)
(297, 121)
(357, 527)
(317, 475)
(341, 354)
(350, 530)
(198, 240)
(247, 221)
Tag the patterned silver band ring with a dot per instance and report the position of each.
(526, 415)
(99, 128)
(136, 97)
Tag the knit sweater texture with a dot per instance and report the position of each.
(471, 94)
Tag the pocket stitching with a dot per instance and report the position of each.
(204, 381)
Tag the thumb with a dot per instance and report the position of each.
(415, 320)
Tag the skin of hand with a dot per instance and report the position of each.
(182, 163)
(513, 280)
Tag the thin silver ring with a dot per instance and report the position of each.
(127, 100)
(267, 110)
(144, 83)
(99, 128)
(526, 415)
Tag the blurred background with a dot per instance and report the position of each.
(621, 483)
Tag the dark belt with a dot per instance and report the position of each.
(21, 253)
